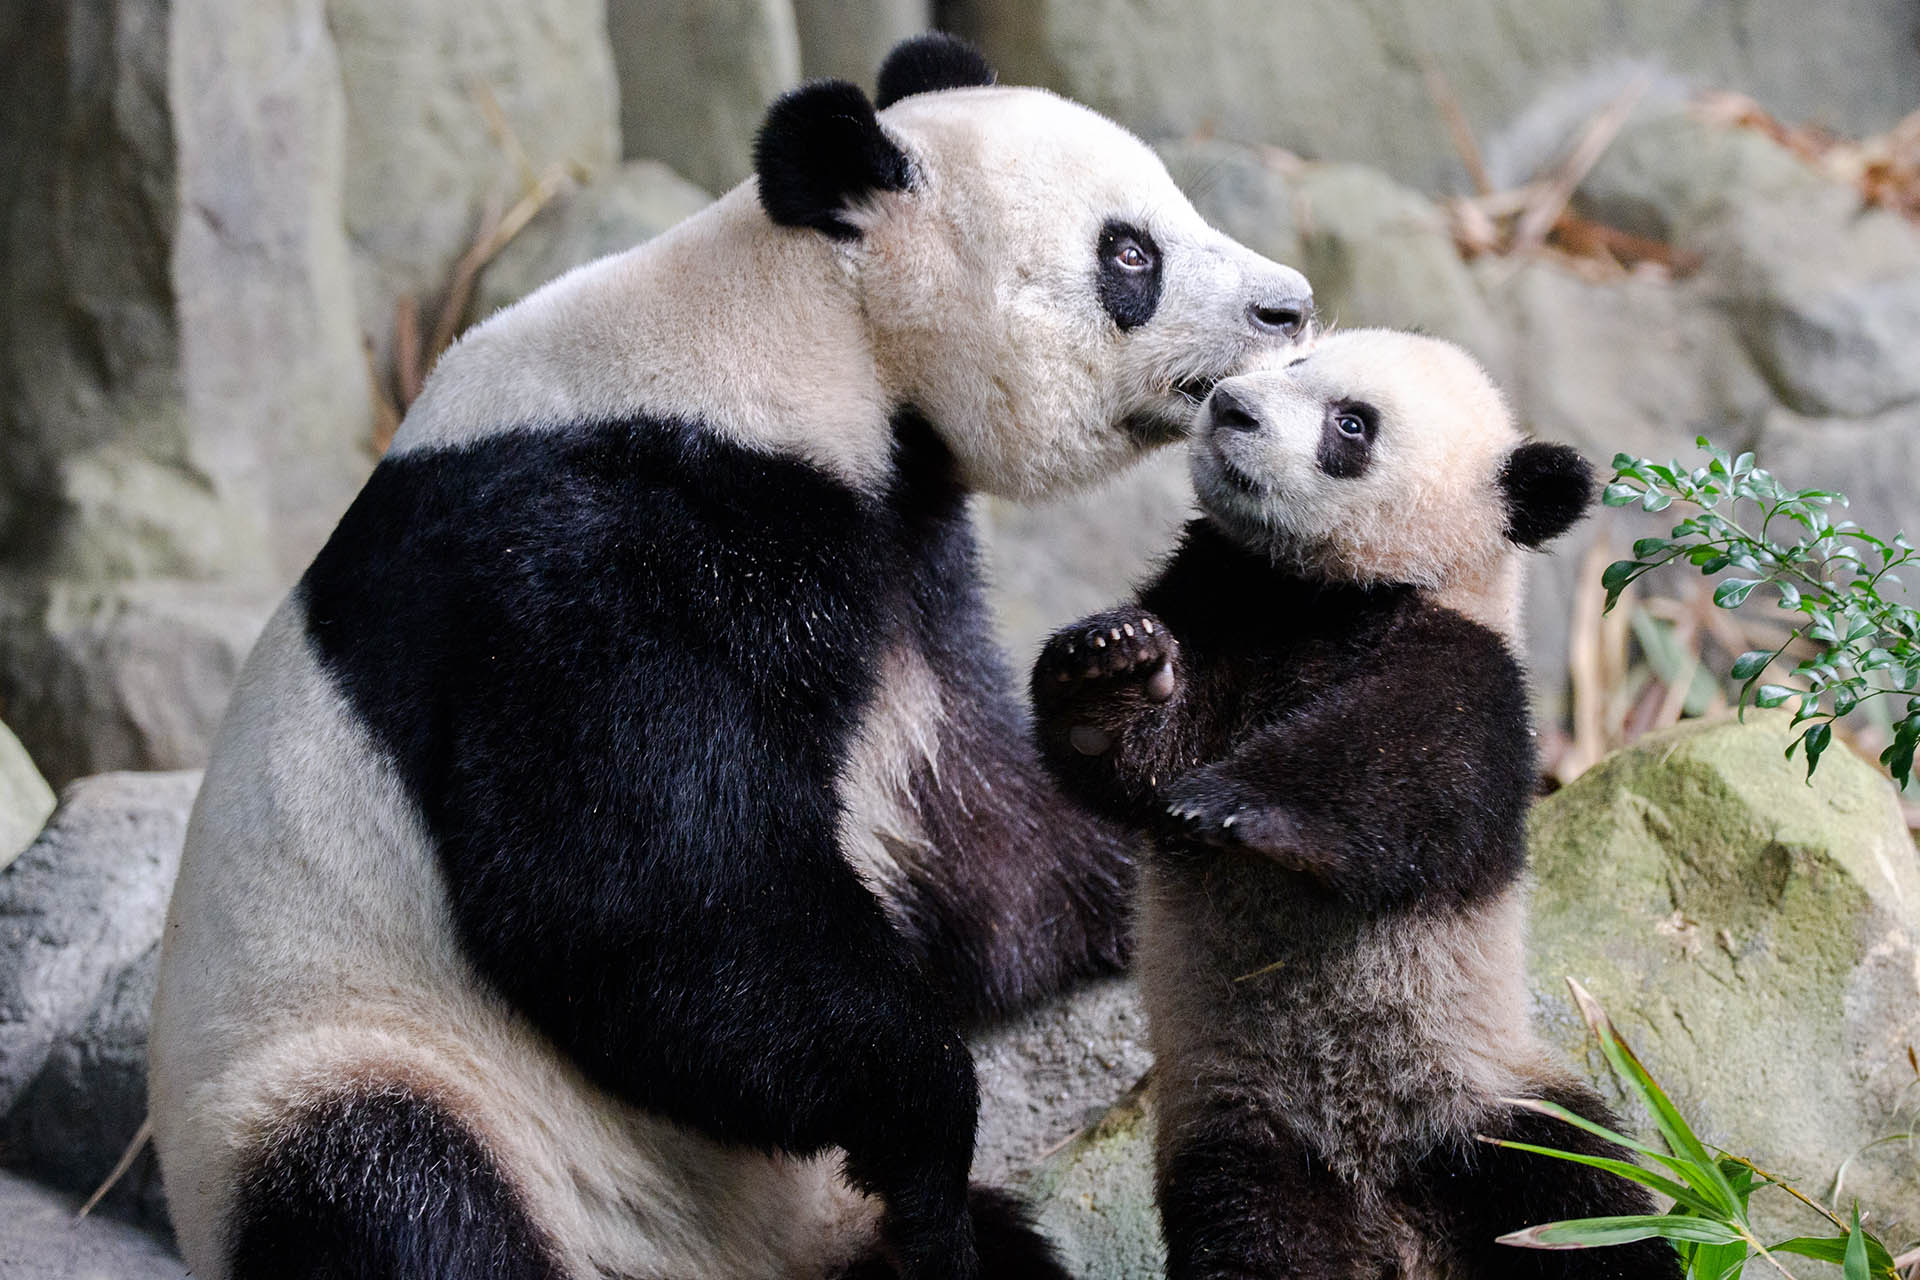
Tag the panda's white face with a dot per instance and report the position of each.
(1374, 457)
(1046, 294)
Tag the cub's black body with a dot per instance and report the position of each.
(1339, 772)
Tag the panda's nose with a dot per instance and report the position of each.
(1229, 412)
(1286, 316)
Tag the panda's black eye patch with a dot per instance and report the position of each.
(1346, 438)
(1128, 266)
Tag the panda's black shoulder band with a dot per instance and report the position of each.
(928, 63)
(820, 150)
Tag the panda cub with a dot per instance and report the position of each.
(1316, 712)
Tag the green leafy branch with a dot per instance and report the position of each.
(1749, 527)
(1708, 1223)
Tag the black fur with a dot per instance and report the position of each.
(1130, 294)
(820, 151)
(928, 63)
(618, 669)
(1247, 1200)
(1548, 487)
(1474, 1193)
(382, 1185)
(1011, 1247)
(1304, 690)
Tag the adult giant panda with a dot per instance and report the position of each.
(614, 831)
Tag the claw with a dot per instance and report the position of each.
(1127, 627)
(1146, 626)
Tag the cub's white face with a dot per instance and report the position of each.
(1374, 457)
(1045, 293)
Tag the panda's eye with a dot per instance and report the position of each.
(1131, 256)
(1350, 424)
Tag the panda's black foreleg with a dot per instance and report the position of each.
(1241, 1199)
(1474, 1194)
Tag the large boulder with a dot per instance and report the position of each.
(630, 204)
(182, 390)
(423, 81)
(1344, 79)
(1756, 937)
(103, 676)
(43, 1242)
(81, 915)
(25, 798)
(696, 77)
(1824, 294)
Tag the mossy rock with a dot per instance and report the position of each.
(1755, 937)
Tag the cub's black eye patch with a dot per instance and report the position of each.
(1346, 438)
(1128, 265)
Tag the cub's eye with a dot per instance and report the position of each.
(1350, 424)
(1129, 255)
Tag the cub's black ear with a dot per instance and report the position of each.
(821, 150)
(1548, 488)
(922, 64)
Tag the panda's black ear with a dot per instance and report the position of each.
(1548, 488)
(925, 63)
(820, 150)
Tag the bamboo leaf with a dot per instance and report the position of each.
(1620, 1168)
(1588, 1233)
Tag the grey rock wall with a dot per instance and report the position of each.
(420, 80)
(1343, 79)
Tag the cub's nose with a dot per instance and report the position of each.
(1229, 412)
(1287, 316)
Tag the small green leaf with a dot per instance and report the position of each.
(1732, 593)
(1620, 573)
(1817, 739)
(1772, 695)
(1588, 1233)
(1647, 548)
(1751, 663)
(1654, 500)
(1618, 495)
(1855, 1267)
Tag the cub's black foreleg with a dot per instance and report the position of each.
(1476, 1195)
(1240, 1199)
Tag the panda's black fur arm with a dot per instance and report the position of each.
(618, 668)
(1404, 779)
(1382, 741)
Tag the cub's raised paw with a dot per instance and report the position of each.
(1117, 645)
(1211, 810)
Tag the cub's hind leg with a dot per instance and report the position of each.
(377, 1182)
(1242, 1199)
(1474, 1192)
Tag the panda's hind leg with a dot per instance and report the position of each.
(377, 1182)
(1472, 1193)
